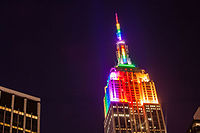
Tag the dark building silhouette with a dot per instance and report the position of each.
(130, 103)
(19, 112)
(195, 126)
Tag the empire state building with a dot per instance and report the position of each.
(131, 104)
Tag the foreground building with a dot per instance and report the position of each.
(130, 103)
(195, 126)
(19, 112)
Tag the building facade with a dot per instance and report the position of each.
(19, 112)
(195, 126)
(130, 103)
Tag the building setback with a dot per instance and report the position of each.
(19, 112)
(130, 103)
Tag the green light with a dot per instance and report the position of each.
(126, 65)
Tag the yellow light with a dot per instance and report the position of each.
(118, 26)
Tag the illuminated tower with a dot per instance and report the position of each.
(130, 103)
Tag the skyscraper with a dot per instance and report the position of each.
(130, 103)
(19, 112)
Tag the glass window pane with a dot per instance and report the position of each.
(34, 125)
(28, 123)
(6, 129)
(6, 99)
(123, 131)
(19, 103)
(8, 117)
(15, 119)
(1, 128)
(122, 122)
(14, 130)
(21, 121)
(31, 107)
(116, 122)
(1, 115)
(117, 131)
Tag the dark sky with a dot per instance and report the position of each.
(62, 52)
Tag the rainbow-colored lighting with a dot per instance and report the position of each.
(129, 87)
(122, 48)
(123, 54)
(119, 36)
(125, 83)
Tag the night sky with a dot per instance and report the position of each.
(62, 52)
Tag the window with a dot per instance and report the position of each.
(150, 125)
(14, 130)
(127, 111)
(6, 129)
(19, 103)
(28, 123)
(1, 128)
(1, 115)
(6, 99)
(142, 118)
(120, 104)
(114, 104)
(34, 125)
(21, 121)
(31, 107)
(8, 117)
(128, 123)
(137, 122)
(120, 110)
(15, 119)
(117, 131)
(123, 131)
(122, 122)
(116, 122)
(133, 127)
(114, 110)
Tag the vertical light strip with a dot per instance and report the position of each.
(119, 36)
(123, 54)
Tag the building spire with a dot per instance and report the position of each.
(122, 48)
(119, 36)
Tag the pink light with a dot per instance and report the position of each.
(113, 76)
